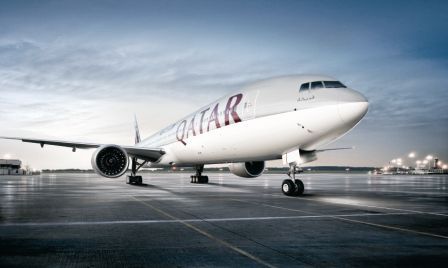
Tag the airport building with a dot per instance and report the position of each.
(11, 167)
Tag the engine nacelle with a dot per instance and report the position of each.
(110, 161)
(247, 169)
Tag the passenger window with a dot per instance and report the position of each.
(317, 84)
(304, 87)
(334, 84)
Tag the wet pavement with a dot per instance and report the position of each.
(352, 220)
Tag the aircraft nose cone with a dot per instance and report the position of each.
(352, 107)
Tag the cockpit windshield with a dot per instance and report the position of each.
(333, 84)
(317, 84)
(305, 86)
(321, 84)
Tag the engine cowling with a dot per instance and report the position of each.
(110, 161)
(247, 169)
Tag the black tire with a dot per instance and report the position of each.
(288, 187)
(137, 180)
(300, 187)
(203, 179)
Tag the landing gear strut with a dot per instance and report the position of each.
(293, 186)
(133, 178)
(198, 178)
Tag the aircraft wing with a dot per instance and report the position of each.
(42, 142)
(334, 149)
(149, 154)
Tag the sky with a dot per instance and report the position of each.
(79, 70)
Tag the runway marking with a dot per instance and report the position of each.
(404, 192)
(43, 224)
(210, 236)
(356, 221)
(394, 228)
(370, 206)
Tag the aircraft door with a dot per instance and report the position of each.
(249, 104)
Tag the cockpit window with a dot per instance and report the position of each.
(305, 86)
(333, 84)
(317, 84)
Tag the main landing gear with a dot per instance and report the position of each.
(133, 178)
(293, 186)
(198, 178)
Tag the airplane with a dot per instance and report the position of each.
(288, 117)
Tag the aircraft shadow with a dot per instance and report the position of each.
(231, 186)
(145, 185)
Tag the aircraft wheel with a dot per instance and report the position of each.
(138, 180)
(203, 179)
(288, 187)
(300, 187)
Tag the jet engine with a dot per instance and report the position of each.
(247, 169)
(110, 161)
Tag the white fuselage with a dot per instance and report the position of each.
(261, 122)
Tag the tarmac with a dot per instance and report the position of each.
(350, 220)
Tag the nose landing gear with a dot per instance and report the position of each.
(293, 186)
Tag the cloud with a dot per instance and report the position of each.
(84, 78)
